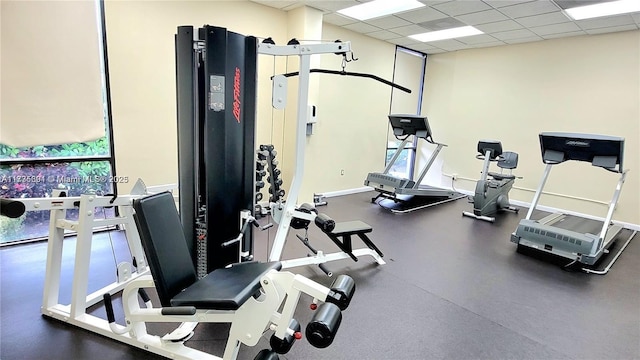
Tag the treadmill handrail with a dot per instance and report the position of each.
(612, 207)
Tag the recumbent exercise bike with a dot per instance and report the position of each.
(492, 190)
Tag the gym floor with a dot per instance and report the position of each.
(453, 288)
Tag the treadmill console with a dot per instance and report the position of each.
(405, 125)
(600, 150)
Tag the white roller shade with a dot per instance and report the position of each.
(51, 82)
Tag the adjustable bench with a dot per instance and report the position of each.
(344, 230)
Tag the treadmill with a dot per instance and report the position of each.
(407, 195)
(580, 240)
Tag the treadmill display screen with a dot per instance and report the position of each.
(600, 150)
(410, 124)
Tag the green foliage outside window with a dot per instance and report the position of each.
(98, 147)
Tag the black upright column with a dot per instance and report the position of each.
(229, 138)
(186, 99)
(216, 94)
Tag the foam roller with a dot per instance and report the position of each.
(343, 288)
(11, 208)
(325, 223)
(323, 327)
(266, 354)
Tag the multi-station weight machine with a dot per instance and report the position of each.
(217, 186)
(216, 76)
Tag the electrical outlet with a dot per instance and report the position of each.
(454, 177)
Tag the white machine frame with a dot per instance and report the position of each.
(273, 310)
(286, 212)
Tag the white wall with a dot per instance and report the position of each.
(588, 84)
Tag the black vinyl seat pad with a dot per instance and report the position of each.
(351, 228)
(226, 288)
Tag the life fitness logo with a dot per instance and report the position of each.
(236, 95)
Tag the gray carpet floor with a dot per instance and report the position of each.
(452, 288)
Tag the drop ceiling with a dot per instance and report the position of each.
(502, 21)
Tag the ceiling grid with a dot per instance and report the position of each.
(502, 21)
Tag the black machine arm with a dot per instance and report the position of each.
(249, 221)
(356, 74)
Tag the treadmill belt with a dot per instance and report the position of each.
(579, 225)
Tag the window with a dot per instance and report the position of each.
(83, 167)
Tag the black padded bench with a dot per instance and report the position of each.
(345, 230)
(173, 271)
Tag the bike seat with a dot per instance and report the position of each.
(500, 177)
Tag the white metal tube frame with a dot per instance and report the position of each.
(304, 53)
(280, 290)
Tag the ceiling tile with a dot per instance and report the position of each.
(499, 26)
(449, 45)
(543, 19)
(332, 5)
(482, 17)
(383, 35)
(565, 34)
(524, 40)
(404, 41)
(612, 29)
(441, 24)
(477, 39)
(423, 47)
(529, 9)
(361, 27)
(555, 29)
(608, 21)
(455, 8)
(338, 20)
(568, 4)
(409, 30)
(513, 34)
(422, 15)
(434, 51)
(433, 2)
(489, 44)
(502, 3)
(276, 4)
(388, 22)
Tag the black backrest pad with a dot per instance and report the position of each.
(164, 243)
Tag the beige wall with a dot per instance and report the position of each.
(588, 84)
(352, 117)
(140, 40)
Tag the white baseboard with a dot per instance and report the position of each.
(626, 225)
(347, 191)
